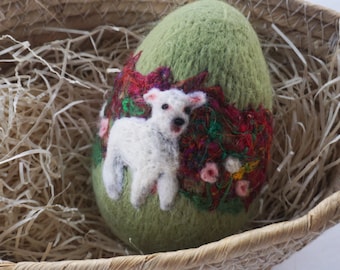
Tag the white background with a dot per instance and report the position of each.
(333, 4)
(324, 252)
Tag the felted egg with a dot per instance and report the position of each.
(184, 139)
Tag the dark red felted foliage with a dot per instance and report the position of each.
(216, 131)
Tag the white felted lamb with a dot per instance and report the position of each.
(149, 147)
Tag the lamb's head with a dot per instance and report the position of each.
(171, 109)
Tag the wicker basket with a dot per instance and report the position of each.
(310, 29)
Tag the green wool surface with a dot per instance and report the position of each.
(150, 229)
(205, 35)
(213, 36)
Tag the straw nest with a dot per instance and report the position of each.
(51, 90)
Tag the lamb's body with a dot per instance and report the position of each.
(149, 147)
(151, 161)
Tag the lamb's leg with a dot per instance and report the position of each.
(141, 186)
(113, 174)
(167, 187)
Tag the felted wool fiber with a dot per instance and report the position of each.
(203, 36)
(213, 36)
(150, 229)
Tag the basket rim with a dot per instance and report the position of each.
(315, 220)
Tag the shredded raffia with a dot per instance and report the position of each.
(50, 98)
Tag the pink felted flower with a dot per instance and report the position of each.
(242, 188)
(104, 125)
(210, 172)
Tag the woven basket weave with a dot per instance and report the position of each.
(312, 29)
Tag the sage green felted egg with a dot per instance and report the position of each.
(186, 160)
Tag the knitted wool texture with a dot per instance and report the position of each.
(212, 36)
(204, 36)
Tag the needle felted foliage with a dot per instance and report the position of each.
(216, 131)
(223, 154)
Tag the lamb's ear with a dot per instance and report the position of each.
(197, 99)
(151, 95)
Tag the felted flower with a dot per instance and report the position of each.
(242, 188)
(209, 173)
(232, 165)
(104, 125)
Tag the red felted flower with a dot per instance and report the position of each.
(104, 126)
(209, 173)
(242, 188)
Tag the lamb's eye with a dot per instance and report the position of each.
(165, 106)
(187, 110)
